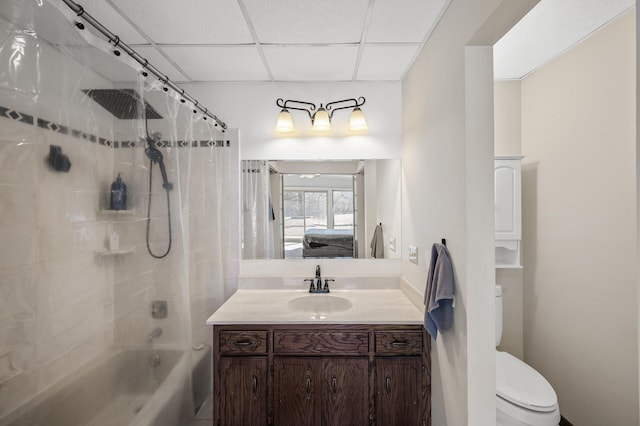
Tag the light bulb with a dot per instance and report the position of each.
(285, 122)
(357, 122)
(321, 121)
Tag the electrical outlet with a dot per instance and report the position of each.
(413, 254)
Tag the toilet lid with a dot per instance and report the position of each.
(520, 384)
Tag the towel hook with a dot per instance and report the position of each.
(444, 242)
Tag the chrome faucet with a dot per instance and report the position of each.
(157, 332)
(316, 283)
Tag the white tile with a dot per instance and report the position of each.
(307, 21)
(403, 21)
(319, 63)
(219, 63)
(384, 62)
(195, 22)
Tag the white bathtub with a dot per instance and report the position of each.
(121, 388)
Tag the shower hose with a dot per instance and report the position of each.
(149, 217)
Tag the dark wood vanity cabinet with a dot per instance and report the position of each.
(327, 375)
(320, 391)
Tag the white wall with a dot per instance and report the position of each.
(579, 226)
(448, 192)
(507, 117)
(251, 107)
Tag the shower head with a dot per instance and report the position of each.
(155, 156)
(124, 104)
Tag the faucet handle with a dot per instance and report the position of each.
(311, 286)
(326, 283)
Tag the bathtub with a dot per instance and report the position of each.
(130, 387)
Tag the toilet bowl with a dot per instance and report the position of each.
(523, 396)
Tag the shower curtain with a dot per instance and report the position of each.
(257, 211)
(67, 299)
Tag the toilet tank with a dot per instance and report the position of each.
(498, 314)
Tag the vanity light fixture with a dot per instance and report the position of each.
(320, 116)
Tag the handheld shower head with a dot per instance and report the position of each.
(156, 157)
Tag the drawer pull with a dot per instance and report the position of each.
(334, 385)
(242, 343)
(254, 386)
(388, 384)
(399, 344)
(308, 385)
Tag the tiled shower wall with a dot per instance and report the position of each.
(56, 297)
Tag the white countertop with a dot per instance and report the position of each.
(369, 306)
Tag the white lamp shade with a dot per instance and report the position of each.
(321, 121)
(285, 122)
(357, 122)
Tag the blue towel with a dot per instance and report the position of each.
(439, 295)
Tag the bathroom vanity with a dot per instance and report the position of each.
(355, 357)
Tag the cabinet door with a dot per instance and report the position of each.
(243, 391)
(345, 392)
(508, 199)
(296, 391)
(401, 391)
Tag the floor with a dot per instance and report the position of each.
(204, 417)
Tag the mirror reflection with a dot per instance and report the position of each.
(339, 209)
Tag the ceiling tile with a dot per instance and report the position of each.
(307, 21)
(312, 63)
(219, 63)
(403, 21)
(192, 22)
(160, 62)
(112, 20)
(386, 62)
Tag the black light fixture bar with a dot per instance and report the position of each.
(117, 43)
(353, 103)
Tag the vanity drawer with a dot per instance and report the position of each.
(399, 342)
(312, 342)
(243, 342)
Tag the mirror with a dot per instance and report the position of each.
(338, 209)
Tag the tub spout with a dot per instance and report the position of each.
(157, 332)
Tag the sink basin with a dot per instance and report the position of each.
(319, 303)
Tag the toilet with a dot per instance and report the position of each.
(523, 396)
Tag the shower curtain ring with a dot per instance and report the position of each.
(80, 10)
(116, 41)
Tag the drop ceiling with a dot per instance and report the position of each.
(320, 40)
(277, 40)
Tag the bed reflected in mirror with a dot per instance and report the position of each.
(339, 209)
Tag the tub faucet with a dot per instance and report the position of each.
(157, 332)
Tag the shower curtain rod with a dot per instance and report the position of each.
(79, 11)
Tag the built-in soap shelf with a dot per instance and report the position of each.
(107, 252)
(113, 217)
(115, 213)
(8, 370)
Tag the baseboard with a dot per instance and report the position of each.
(565, 422)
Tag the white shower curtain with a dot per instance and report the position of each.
(257, 211)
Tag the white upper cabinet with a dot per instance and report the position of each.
(508, 219)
